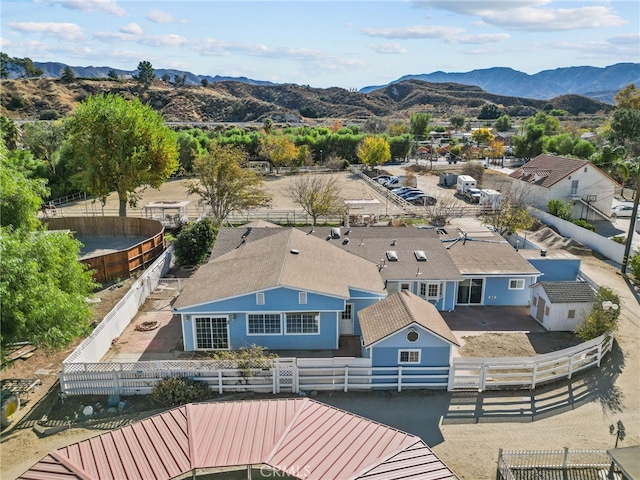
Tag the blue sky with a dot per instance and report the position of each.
(349, 44)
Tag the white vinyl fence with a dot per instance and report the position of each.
(526, 372)
(516, 465)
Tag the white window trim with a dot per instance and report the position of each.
(286, 330)
(262, 334)
(194, 332)
(260, 298)
(345, 308)
(426, 289)
(410, 350)
(520, 281)
(402, 285)
(302, 298)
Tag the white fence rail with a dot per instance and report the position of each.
(96, 345)
(526, 372)
(511, 463)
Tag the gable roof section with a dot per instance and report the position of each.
(569, 292)
(323, 441)
(286, 258)
(372, 243)
(486, 253)
(547, 170)
(398, 311)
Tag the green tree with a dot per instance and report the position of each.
(318, 195)
(603, 317)
(146, 74)
(457, 122)
(419, 123)
(224, 186)
(482, 136)
(119, 145)
(193, 244)
(529, 145)
(503, 124)
(68, 76)
(4, 65)
(559, 208)
(10, 132)
(489, 111)
(204, 82)
(628, 98)
(634, 265)
(279, 150)
(30, 70)
(373, 151)
(43, 287)
(112, 75)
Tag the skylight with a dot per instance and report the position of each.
(392, 255)
(420, 255)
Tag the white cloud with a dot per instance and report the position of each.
(65, 31)
(160, 16)
(163, 40)
(109, 6)
(626, 39)
(388, 48)
(480, 38)
(530, 15)
(131, 29)
(417, 31)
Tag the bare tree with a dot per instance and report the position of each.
(510, 212)
(445, 208)
(317, 195)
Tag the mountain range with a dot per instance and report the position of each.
(600, 83)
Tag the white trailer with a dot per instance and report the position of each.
(464, 182)
(490, 198)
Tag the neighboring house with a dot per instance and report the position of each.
(549, 177)
(495, 274)
(408, 258)
(561, 306)
(555, 265)
(279, 288)
(404, 329)
(285, 438)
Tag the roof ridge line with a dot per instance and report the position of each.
(190, 436)
(79, 471)
(284, 257)
(386, 458)
(276, 445)
(406, 307)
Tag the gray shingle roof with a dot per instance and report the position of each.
(569, 292)
(372, 243)
(486, 253)
(550, 169)
(398, 311)
(287, 257)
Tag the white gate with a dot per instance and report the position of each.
(286, 375)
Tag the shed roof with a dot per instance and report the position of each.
(398, 311)
(286, 258)
(569, 292)
(547, 170)
(484, 252)
(323, 441)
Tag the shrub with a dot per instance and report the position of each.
(622, 240)
(247, 359)
(584, 224)
(49, 115)
(600, 320)
(193, 244)
(559, 208)
(174, 391)
(634, 265)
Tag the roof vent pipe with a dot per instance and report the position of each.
(543, 253)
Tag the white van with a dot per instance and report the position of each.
(464, 182)
(490, 198)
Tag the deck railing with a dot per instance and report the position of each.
(514, 465)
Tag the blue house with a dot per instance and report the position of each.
(555, 265)
(494, 272)
(404, 329)
(279, 288)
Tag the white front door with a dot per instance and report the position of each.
(346, 320)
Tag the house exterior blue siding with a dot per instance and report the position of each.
(446, 300)
(497, 292)
(434, 351)
(557, 270)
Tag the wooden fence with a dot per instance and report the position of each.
(585, 464)
(526, 372)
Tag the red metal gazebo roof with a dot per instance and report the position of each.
(301, 436)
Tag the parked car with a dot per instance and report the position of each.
(400, 190)
(411, 192)
(622, 211)
(414, 196)
(382, 179)
(423, 200)
(472, 195)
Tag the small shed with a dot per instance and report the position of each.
(561, 306)
(170, 214)
(406, 330)
(448, 179)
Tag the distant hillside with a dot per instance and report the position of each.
(599, 83)
(226, 101)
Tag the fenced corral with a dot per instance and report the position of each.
(96, 345)
(526, 372)
(566, 464)
(123, 263)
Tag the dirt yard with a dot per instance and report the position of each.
(469, 447)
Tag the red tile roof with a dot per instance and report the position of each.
(547, 170)
(314, 440)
